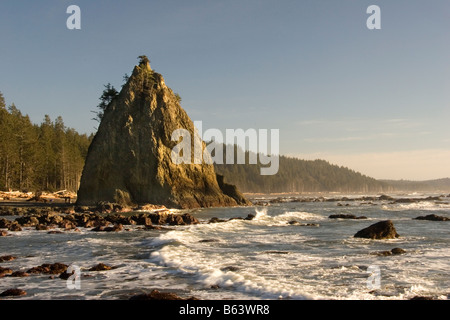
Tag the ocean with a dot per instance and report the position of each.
(269, 257)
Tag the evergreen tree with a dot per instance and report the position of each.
(108, 95)
(33, 157)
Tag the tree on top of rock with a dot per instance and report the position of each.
(143, 60)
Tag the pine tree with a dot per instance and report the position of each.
(108, 94)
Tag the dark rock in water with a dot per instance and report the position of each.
(65, 275)
(208, 240)
(142, 220)
(67, 224)
(395, 251)
(100, 267)
(379, 230)
(14, 227)
(13, 293)
(216, 220)
(7, 258)
(432, 217)
(421, 298)
(55, 232)
(189, 219)
(383, 253)
(115, 228)
(230, 268)
(346, 216)
(42, 227)
(28, 221)
(5, 223)
(406, 200)
(385, 198)
(276, 252)
(5, 271)
(130, 157)
(19, 274)
(250, 217)
(297, 223)
(157, 295)
(398, 251)
(55, 268)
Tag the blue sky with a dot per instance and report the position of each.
(377, 101)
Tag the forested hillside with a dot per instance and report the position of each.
(34, 157)
(296, 175)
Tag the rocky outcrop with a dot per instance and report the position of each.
(379, 230)
(130, 160)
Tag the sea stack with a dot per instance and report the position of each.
(129, 159)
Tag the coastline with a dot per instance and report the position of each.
(29, 210)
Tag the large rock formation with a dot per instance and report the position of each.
(129, 159)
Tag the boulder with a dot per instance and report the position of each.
(379, 230)
(67, 224)
(417, 298)
(189, 219)
(7, 258)
(28, 221)
(15, 227)
(297, 223)
(65, 275)
(5, 223)
(42, 227)
(47, 268)
(3, 233)
(19, 274)
(346, 216)
(433, 217)
(395, 251)
(216, 220)
(142, 220)
(55, 232)
(230, 268)
(100, 267)
(250, 217)
(5, 271)
(13, 293)
(115, 228)
(130, 156)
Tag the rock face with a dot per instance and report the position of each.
(129, 159)
(379, 230)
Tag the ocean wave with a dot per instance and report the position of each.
(422, 205)
(214, 270)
